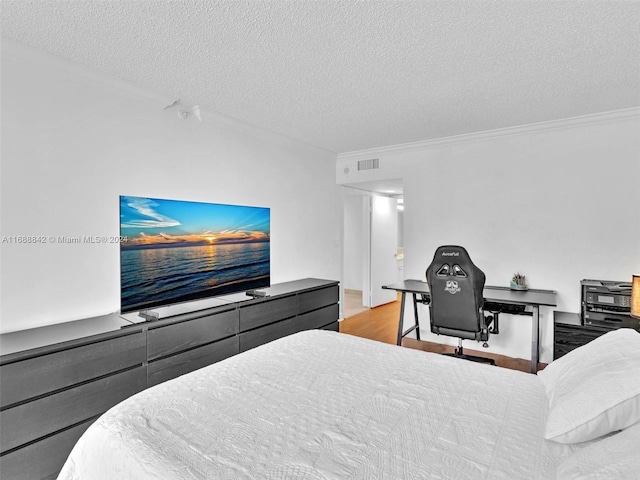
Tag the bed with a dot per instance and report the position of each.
(324, 405)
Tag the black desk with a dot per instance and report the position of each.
(503, 295)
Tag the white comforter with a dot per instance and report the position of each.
(324, 405)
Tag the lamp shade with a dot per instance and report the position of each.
(635, 296)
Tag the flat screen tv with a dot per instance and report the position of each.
(175, 251)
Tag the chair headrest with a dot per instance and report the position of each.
(453, 260)
(452, 263)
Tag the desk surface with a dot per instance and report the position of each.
(490, 293)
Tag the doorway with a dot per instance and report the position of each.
(372, 244)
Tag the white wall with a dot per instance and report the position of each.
(74, 140)
(354, 238)
(557, 202)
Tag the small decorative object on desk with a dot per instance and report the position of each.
(519, 282)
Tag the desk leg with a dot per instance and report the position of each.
(535, 337)
(415, 314)
(401, 321)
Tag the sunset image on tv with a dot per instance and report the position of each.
(174, 251)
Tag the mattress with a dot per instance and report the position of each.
(324, 405)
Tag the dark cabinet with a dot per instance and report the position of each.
(569, 333)
(55, 381)
(50, 397)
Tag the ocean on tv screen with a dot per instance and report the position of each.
(175, 251)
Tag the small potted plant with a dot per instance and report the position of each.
(519, 282)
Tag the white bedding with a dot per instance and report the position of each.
(324, 405)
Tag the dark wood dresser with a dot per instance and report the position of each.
(570, 333)
(56, 380)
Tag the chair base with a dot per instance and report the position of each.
(472, 358)
(458, 353)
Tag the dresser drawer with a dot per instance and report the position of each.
(319, 298)
(334, 327)
(43, 459)
(178, 337)
(267, 311)
(308, 321)
(37, 376)
(32, 420)
(569, 337)
(259, 336)
(318, 318)
(176, 365)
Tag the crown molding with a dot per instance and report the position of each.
(572, 122)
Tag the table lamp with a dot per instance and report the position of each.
(635, 297)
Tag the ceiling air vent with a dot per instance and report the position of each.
(370, 164)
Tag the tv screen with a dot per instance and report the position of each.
(175, 251)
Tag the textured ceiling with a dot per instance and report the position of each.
(350, 75)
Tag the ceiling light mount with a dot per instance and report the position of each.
(185, 112)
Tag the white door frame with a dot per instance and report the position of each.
(383, 249)
(366, 258)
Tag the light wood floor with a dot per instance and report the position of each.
(381, 323)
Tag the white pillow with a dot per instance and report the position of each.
(595, 389)
(615, 457)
